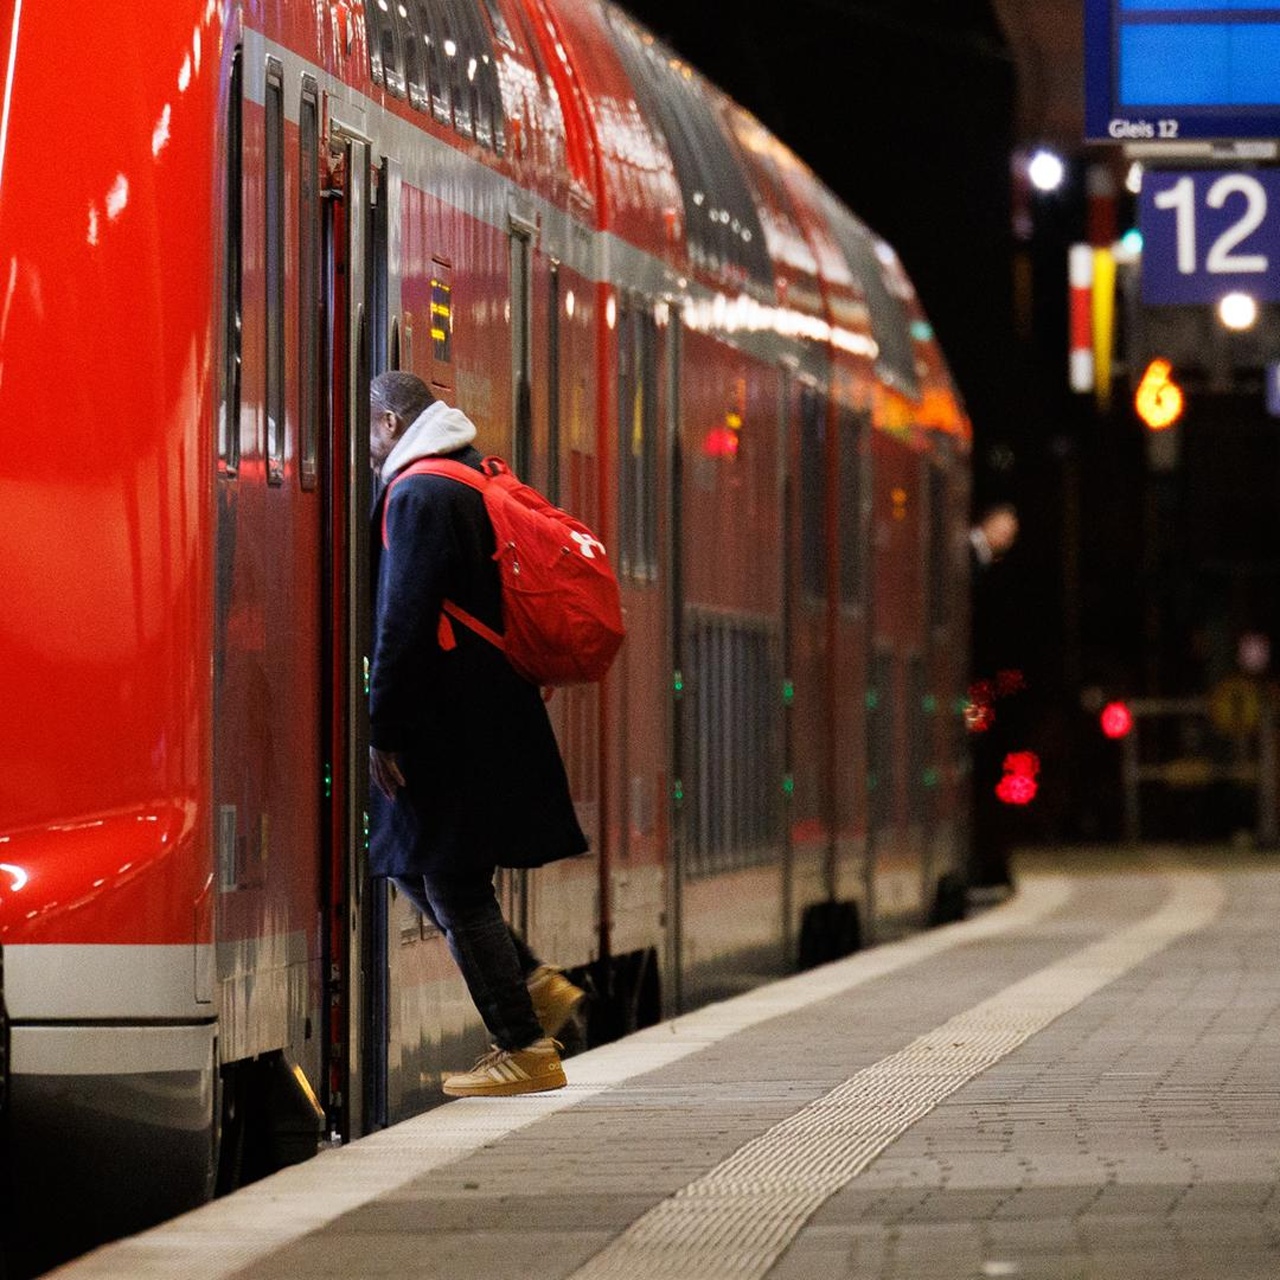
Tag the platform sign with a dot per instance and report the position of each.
(1210, 232)
(1173, 70)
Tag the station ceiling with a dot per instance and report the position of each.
(1046, 38)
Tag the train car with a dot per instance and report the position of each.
(664, 320)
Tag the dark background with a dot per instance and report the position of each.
(1125, 581)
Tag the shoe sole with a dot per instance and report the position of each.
(507, 1088)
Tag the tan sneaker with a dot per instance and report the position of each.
(504, 1072)
(555, 998)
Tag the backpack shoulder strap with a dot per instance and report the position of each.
(449, 467)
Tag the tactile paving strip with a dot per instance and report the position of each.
(736, 1220)
(233, 1233)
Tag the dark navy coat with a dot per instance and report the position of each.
(485, 783)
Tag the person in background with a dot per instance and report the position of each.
(466, 771)
(995, 707)
(994, 534)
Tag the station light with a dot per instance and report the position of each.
(1238, 311)
(1116, 720)
(1130, 245)
(1158, 399)
(1046, 170)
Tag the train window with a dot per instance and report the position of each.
(462, 64)
(309, 260)
(229, 418)
(429, 37)
(733, 744)
(416, 76)
(637, 442)
(487, 86)
(449, 70)
(896, 362)
(813, 493)
(498, 21)
(386, 44)
(273, 264)
(474, 49)
(722, 222)
(849, 511)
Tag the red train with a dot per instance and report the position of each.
(216, 222)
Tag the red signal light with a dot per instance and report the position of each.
(1116, 720)
(1019, 786)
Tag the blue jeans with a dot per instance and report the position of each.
(492, 958)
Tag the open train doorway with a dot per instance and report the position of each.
(354, 966)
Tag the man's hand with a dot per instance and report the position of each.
(384, 769)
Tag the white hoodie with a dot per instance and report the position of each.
(438, 429)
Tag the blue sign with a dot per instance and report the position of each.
(1209, 232)
(1178, 69)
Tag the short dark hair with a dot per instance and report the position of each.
(405, 394)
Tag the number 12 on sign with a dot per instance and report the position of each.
(1210, 232)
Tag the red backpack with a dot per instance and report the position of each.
(561, 611)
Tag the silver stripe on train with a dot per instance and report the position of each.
(111, 1050)
(84, 981)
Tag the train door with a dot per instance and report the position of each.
(810, 801)
(851, 879)
(673, 556)
(352, 966)
(786, 747)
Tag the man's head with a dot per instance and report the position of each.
(396, 399)
(999, 524)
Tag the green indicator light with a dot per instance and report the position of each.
(931, 777)
(678, 791)
(366, 677)
(788, 785)
(328, 782)
(930, 704)
(677, 683)
(366, 833)
(960, 706)
(788, 691)
(873, 699)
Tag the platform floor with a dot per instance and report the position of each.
(1081, 1082)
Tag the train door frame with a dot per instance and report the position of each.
(347, 236)
(522, 232)
(787, 380)
(673, 561)
(383, 289)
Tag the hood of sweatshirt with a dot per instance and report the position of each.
(438, 429)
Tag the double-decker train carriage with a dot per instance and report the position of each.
(217, 222)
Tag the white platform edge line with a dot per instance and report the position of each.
(227, 1235)
(735, 1221)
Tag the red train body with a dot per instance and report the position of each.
(666, 323)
